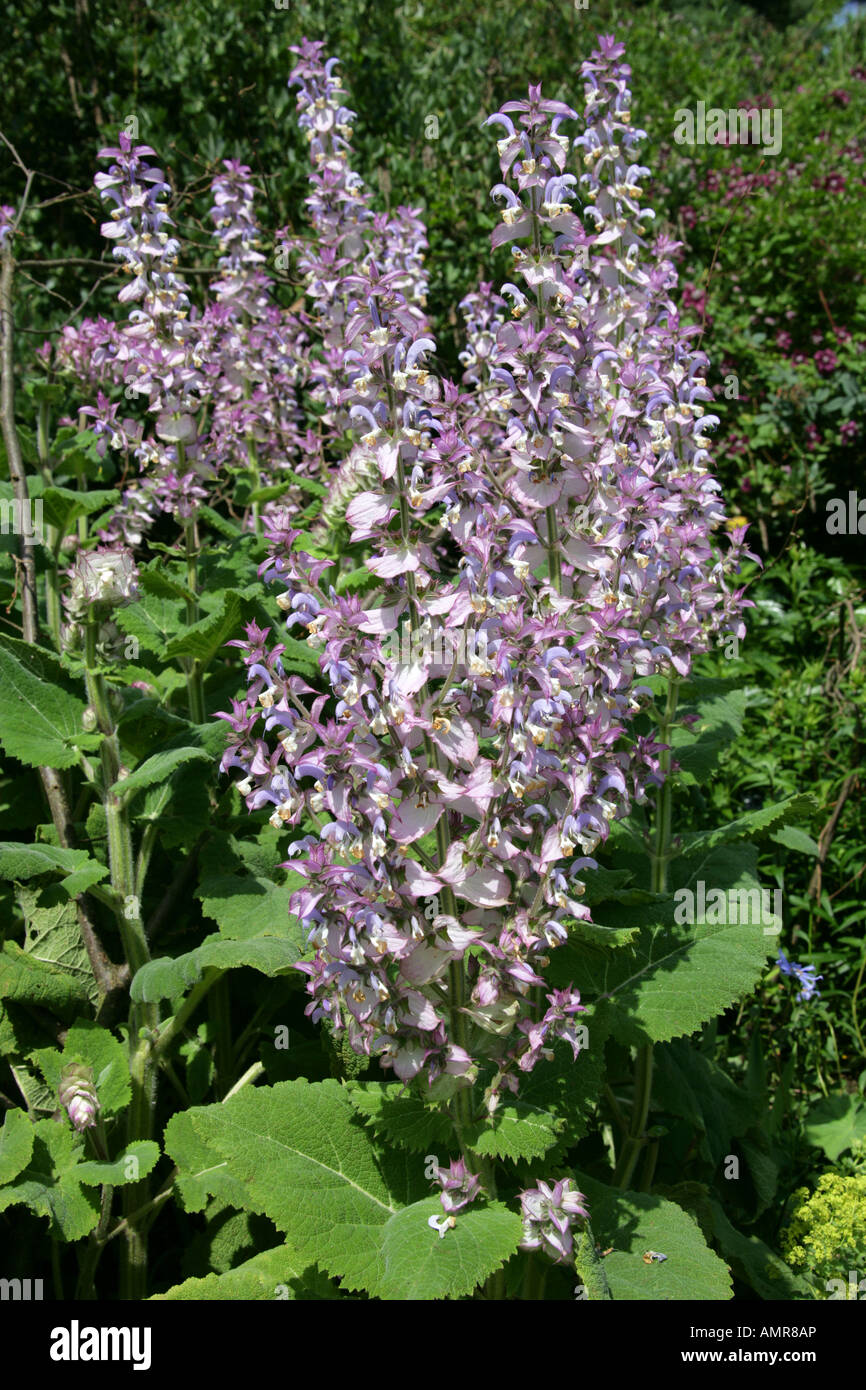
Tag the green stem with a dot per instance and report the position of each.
(194, 688)
(56, 1273)
(219, 1012)
(143, 1018)
(534, 1279)
(854, 1017)
(659, 871)
(555, 563)
(53, 538)
(494, 1288)
(636, 1139)
(86, 1288)
(253, 461)
(169, 1030)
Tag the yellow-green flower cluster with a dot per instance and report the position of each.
(826, 1237)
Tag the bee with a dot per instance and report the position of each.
(653, 1257)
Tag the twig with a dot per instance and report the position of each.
(825, 839)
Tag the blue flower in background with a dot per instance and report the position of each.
(806, 976)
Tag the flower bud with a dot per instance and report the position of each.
(77, 1094)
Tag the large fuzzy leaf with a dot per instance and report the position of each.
(688, 1084)
(203, 639)
(755, 1263)
(158, 769)
(676, 977)
(20, 862)
(311, 1165)
(40, 711)
(202, 1172)
(50, 1184)
(401, 1117)
(27, 980)
(752, 826)
(721, 708)
(62, 506)
(636, 1224)
(169, 977)
(136, 1161)
(273, 1274)
(16, 1144)
(245, 892)
(153, 620)
(53, 933)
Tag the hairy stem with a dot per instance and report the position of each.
(636, 1139)
(143, 1018)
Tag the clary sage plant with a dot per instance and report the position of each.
(471, 615)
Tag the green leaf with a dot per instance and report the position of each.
(93, 1046)
(274, 1274)
(721, 708)
(298, 657)
(20, 862)
(154, 580)
(287, 480)
(50, 1185)
(62, 506)
(589, 1266)
(676, 977)
(691, 1085)
(415, 1263)
(16, 1144)
(170, 977)
(202, 1172)
(636, 1223)
(566, 1088)
(202, 640)
(392, 1111)
(158, 769)
(751, 826)
(517, 1130)
(136, 1161)
(755, 1263)
(357, 579)
(314, 1169)
(220, 524)
(602, 885)
(40, 715)
(28, 980)
(53, 933)
(238, 890)
(153, 620)
(792, 837)
(835, 1123)
(166, 977)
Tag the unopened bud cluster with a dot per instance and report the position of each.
(77, 1095)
